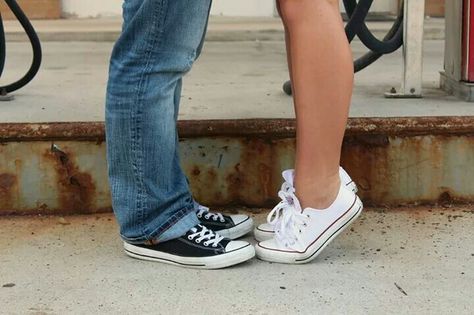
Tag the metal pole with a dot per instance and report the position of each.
(458, 75)
(412, 51)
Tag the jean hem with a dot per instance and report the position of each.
(156, 233)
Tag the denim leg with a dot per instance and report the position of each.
(159, 42)
(178, 96)
(191, 219)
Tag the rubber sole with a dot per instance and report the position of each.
(237, 231)
(232, 258)
(333, 236)
(261, 236)
(315, 249)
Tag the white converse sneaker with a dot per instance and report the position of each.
(265, 231)
(300, 235)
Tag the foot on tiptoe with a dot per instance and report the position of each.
(266, 231)
(301, 234)
(198, 248)
(229, 226)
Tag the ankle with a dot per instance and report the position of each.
(318, 195)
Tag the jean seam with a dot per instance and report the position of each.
(201, 43)
(137, 146)
(155, 234)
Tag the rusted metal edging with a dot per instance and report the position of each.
(60, 168)
(273, 128)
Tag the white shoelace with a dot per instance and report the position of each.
(286, 194)
(204, 211)
(287, 218)
(209, 236)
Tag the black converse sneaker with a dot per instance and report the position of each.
(229, 226)
(199, 248)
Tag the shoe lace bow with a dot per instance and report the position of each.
(286, 217)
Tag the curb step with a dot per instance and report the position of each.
(60, 168)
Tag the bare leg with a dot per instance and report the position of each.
(322, 75)
(287, 42)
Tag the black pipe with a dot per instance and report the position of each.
(2, 46)
(357, 18)
(370, 57)
(35, 45)
(366, 36)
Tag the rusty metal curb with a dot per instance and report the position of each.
(272, 128)
(60, 168)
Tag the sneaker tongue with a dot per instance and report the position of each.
(289, 176)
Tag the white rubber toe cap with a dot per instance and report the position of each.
(243, 225)
(239, 218)
(236, 245)
(264, 232)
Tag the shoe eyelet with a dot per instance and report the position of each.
(199, 216)
(206, 217)
(190, 238)
(308, 216)
(206, 244)
(214, 245)
(222, 220)
(198, 241)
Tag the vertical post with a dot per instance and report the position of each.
(468, 41)
(413, 47)
(414, 18)
(458, 75)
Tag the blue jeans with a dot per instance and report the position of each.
(160, 40)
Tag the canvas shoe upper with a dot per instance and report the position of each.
(229, 226)
(266, 231)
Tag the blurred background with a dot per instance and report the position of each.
(55, 9)
(409, 146)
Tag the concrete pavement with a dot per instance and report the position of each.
(408, 261)
(231, 80)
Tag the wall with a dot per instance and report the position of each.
(91, 8)
(382, 6)
(34, 9)
(435, 7)
(94, 8)
(104, 8)
(243, 7)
